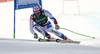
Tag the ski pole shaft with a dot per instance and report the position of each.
(78, 33)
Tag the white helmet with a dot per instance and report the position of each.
(36, 8)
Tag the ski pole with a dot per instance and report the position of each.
(78, 33)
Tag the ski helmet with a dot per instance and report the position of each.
(36, 8)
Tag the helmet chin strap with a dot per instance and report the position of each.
(38, 14)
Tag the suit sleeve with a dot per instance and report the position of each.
(31, 25)
(47, 13)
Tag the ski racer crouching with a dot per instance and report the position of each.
(43, 25)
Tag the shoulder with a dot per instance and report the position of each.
(32, 14)
(47, 12)
(32, 17)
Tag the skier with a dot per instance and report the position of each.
(42, 24)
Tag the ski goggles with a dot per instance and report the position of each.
(36, 12)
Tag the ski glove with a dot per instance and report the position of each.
(57, 26)
(35, 35)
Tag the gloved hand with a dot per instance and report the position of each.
(35, 35)
(57, 26)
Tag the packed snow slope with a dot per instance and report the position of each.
(19, 46)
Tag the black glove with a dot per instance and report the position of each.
(35, 35)
(57, 26)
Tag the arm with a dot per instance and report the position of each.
(31, 25)
(47, 13)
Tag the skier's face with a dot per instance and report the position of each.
(37, 10)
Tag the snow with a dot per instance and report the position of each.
(19, 46)
(87, 23)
